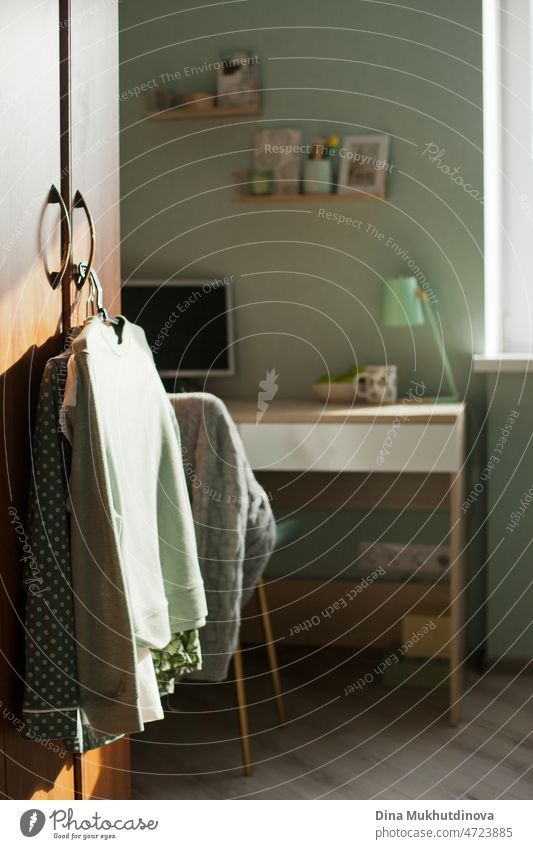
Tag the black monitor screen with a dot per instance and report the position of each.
(188, 324)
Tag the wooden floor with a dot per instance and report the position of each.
(376, 743)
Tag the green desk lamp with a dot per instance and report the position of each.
(404, 304)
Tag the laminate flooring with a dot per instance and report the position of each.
(374, 743)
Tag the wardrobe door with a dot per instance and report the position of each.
(94, 139)
(90, 122)
(2, 766)
(104, 773)
(30, 325)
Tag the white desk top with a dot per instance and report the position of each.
(286, 411)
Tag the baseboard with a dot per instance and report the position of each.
(509, 665)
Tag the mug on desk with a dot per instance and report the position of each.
(377, 384)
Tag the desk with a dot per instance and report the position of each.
(402, 456)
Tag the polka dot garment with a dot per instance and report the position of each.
(50, 707)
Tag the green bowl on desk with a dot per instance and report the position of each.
(338, 388)
(335, 393)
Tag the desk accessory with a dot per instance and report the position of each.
(404, 304)
(380, 384)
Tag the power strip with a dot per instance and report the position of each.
(401, 561)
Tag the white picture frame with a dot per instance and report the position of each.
(364, 165)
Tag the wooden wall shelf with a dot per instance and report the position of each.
(185, 113)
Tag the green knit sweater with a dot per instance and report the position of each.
(135, 571)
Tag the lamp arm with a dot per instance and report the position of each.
(454, 397)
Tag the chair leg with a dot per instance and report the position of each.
(243, 711)
(271, 649)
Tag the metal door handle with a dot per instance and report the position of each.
(80, 203)
(56, 277)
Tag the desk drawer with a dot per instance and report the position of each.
(384, 447)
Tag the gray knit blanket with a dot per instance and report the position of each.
(234, 523)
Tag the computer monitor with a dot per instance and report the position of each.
(188, 324)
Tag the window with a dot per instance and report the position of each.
(508, 175)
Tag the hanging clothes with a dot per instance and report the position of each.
(133, 550)
(87, 653)
(182, 656)
(233, 520)
(51, 700)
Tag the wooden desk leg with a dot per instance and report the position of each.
(243, 711)
(271, 649)
(456, 596)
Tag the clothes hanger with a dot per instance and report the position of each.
(85, 270)
(96, 286)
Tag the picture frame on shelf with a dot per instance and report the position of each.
(364, 165)
(238, 80)
(279, 151)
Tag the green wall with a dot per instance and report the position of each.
(369, 67)
(307, 290)
(510, 516)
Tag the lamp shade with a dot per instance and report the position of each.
(400, 304)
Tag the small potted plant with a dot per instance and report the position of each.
(260, 181)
